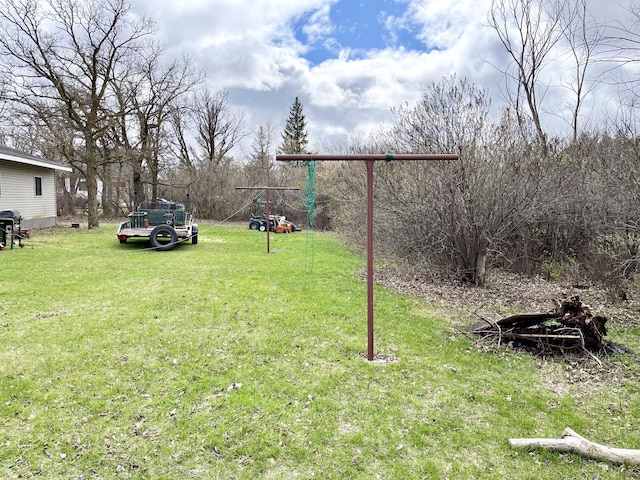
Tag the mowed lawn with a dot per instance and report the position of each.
(221, 361)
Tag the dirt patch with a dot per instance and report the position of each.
(381, 358)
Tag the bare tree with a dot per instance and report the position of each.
(623, 38)
(450, 118)
(147, 97)
(455, 215)
(261, 162)
(179, 144)
(218, 129)
(204, 134)
(61, 56)
(529, 30)
(621, 44)
(584, 35)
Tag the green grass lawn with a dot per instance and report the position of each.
(220, 361)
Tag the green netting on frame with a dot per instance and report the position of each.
(309, 201)
(309, 192)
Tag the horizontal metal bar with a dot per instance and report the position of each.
(386, 157)
(267, 188)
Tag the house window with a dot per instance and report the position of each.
(38, 186)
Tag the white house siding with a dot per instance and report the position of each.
(18, 192)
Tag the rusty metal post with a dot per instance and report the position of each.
(370, 159)
(370, 354)
(266, 189)
(268, 220)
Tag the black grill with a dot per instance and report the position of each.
(14, 214)
(10, 228)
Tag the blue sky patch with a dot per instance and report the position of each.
(357, 25)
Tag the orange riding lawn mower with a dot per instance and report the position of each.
(277, 224)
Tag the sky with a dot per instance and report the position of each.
(349, 61)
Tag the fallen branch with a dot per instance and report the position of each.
(524, 320)
(571, 442)
(544, 336)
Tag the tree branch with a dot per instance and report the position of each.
(571, 442)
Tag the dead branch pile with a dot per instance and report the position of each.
(569, 327)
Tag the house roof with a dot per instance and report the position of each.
(12, 155)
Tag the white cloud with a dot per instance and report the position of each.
(319, 25)
(442, 23)
(250, 48)
(250, 63)
(382, 80)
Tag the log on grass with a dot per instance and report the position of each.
(571, 442)
(524, 320)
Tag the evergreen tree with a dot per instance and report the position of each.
(295, 136)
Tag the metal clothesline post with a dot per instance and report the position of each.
(370, 159)
(266, 189)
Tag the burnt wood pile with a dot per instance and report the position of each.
(569, 327)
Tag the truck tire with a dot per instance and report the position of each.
(194, 234)
(163, 231)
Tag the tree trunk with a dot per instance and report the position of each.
(153, 167)
(66, 204)
(138, 187)
(108, 206)
(92, 194)
(481, 268)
